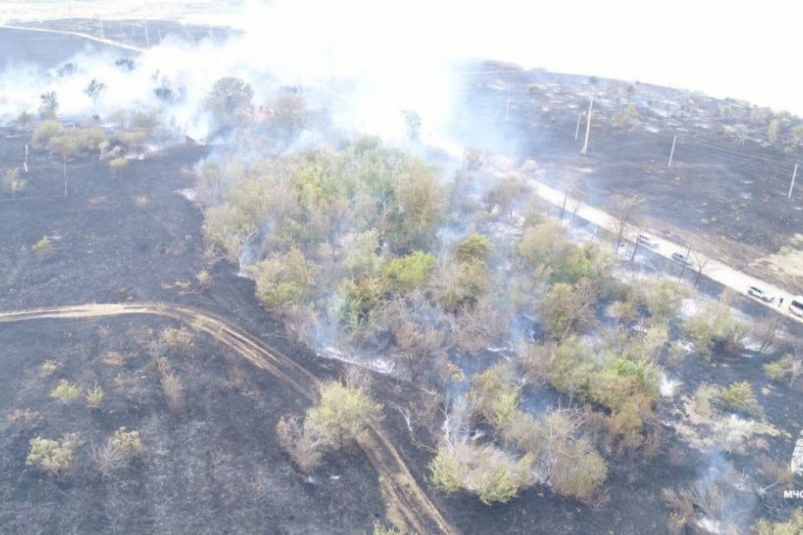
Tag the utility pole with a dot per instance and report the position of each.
(563, 208)
(147, 38)
(507, 108)
(672, 152)
(584, 151)
(25, 161)
(635, 246)
(685, 262)
(577, 130)
(792, 185)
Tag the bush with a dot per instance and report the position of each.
(793, 527)
(566, 308)
(94, 397)
(303, 441)
(45, 132)
(715, 326)
(740, 397)
(578, 471)
(460, 284)
(487, 472)
(65, 392)
(495, 396)
(173, 390)
(343, 413)
(49, 455)
(118, 451)
(117, 165)
(49, 367)
(662, 298)
(789, 366)
(42, 245)
(178, 340)
(285, 279)
(24, 419)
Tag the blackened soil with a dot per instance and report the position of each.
(213, 466)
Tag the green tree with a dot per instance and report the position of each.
(474, 247)
(285, 279)
(229, 98)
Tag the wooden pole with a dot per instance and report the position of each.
(563, 208)
(792, 185)
(577, 130)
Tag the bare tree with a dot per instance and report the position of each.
(700, 262)
(625, 211)
(577, 199)
(766, 329)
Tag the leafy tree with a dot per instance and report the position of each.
(229, 98)
(49, 105)
(95, 89)
(567, 308)
(290, 114)
(285, 279)
(474, 247)
(13, 183)
(715, 326)
(409, 272)
(413, 122)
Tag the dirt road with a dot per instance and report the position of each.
(407, 503)
(713, 269)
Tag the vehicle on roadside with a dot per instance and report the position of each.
(647, 240)
(765, 296)
(683, 259)
(796, 306)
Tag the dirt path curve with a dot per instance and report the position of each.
(108, 42)
(713, 269)
(406, 502)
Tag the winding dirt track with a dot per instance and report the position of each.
(406, 502)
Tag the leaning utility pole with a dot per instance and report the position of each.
(577, 130)
(584, 151)
(672, 152)
(792, 185)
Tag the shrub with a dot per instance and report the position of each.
(117, 165)
(379, 529)
(487, 472)
(24, 419)
(204, 278)
(94, 397)
(119, 450)
(703, 398)
(173, 390)
(142, 201)
(65, 392)
(460, 284)
(45, 132)
(178, 340)
(740, 397)
(662, 298)
(49, 455)
(566, 309)
(343, 413)
(42, 245)
(789, 366)
(733, 433)
(792, 527)
(128, 443)
(714, 326)
(495, 396)
(474, 247)
(303, 441)
(578, 471)
(49, 367)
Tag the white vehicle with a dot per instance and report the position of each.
(796, 306)
(755, 291)
(644, 239)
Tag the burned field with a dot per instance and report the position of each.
(725, 194)
(704, 459)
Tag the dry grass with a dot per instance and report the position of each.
(173, 390)
(65, 392)
(94, 397)
(49, 367)
(24, 419)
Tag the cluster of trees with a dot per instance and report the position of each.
(525, 450)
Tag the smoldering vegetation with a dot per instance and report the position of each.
(438, 266)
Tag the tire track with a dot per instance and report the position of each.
(405, 500)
